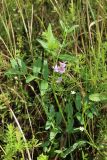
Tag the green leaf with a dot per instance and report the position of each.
(45, 70)
(52, 42)
(49, 42)
(65, 29)
(97, 97)
(72, 148)
(80, 118)
(22, 65)
(43, 87)
(53, 133)
(30, 78)
(68, 58)
(94, 110)
(43, 43)
(70, 121)
(58, 118)
(42, 157)
(58, 151)
(18, 67)
(14, 63)
(78, 101)
(89, 114)
(72, 28)
(48, 125)
(13, 72)
(37, 66)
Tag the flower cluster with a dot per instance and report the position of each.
(60, 68)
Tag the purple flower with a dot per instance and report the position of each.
(56, 68)
(62, 64)
(61, 68)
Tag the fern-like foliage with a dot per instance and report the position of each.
(13, 142)
(14, 146)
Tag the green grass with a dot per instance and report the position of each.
(49, 111)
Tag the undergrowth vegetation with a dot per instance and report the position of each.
(53, 79)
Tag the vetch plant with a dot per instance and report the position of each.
(53, 79)
(60, 68)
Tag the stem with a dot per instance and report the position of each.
(20, 129)
(2, 149)
(59, 106)
(92, 142)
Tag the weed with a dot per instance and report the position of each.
(53, 79)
